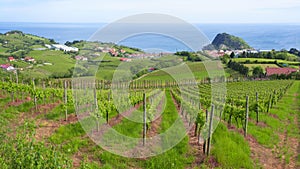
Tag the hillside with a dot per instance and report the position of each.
(19, 44)
(229, 42)
(56, 63)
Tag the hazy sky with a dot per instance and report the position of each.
(196, 11)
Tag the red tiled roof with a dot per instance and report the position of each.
(124, 59)
(5, 66)
(279, 71)
(11, 58)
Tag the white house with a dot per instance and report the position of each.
(10, 68)
(81, 58)
(7, 67)
(65, 48)
(264, 50)
(49, 46)
(252, 51)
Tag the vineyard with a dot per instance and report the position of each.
(246, 124)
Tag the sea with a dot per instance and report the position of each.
(258, 36)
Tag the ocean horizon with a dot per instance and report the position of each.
(258, 36)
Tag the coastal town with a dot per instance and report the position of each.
(128, 57)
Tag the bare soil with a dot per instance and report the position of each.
(47, 127)
(155, 125)
(264, 155)
(193, 142)
(116, 120)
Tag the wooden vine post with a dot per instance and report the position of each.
(196, 128)
(22, 93)
(205, 140)
(66, 100)
(44, 88)
(274, 100)
(96, 109)
(210, 129)
(34, 99)
(17, 78)
(108, 95)
(257, 108)
(12, 91)
(246, 116)
(269, 104)
(144, 119)
(95, 99)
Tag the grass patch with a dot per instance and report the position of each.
(260, 60)
(130, 128)
(264, 136)
(197, 68)
(67, 132)
(230, 149)
(263, 66)
(74, 145)
(61, 62)
(58, 112)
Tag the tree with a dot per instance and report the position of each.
(294, 51)
(232, 55)
(238, 67)
(225, 58)
(270, 55)
(258, 72)
(52, 41)
(244, 54)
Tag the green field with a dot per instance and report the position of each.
(107, 68)
(3, 50)
(61, 63)
(263, 66)
(197, 68)
(259, 60)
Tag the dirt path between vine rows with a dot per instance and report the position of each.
(276, 157)
(116, 120)
(288, 142)
(31, 116)
(2, 96)
(156, 124)
(153, 139)
(193, 142)
(17, 102)
(47, 127)
(96, 135)
(264, 155)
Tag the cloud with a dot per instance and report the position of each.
(108, 11)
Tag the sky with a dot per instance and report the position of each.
(195, 11)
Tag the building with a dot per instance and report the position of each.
(125, 60)
(122, 51)
(113, 52)
(63, 48)
(151, 69)
(48, 46)
(7, 67)
(264, 50)
(252, 51)
(280, 71)
(81, 58)
(29, 59)
(11, 59)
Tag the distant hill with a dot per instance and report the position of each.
(229, 42)
(17, 43)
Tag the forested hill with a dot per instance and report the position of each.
(229, 42)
